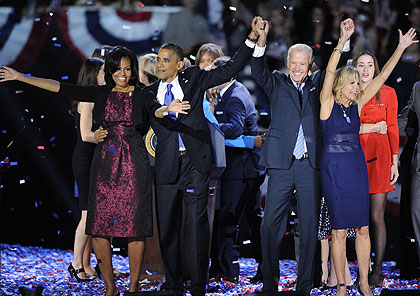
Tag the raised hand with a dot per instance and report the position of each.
(178, 106)
(7, 74)
(254, 31)
(346, 29)
(262, 28)
(407, 39)
(100, 134)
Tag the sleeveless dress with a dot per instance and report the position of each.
(81, 162)
(120, 200)
(379, 148)
(343, 169)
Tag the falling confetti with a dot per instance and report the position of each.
(64, 78)
(19, 92)
(41, 147)
(57, 44)
(233, 8)
(139, 4)
(399, 79)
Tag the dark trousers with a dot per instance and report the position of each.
(238, 197)
(281, 184)
(190, 194)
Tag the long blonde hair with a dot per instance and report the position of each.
(343, 76)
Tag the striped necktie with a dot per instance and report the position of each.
(300, 142)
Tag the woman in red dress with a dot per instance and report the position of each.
(379, 141)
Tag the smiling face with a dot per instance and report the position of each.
(350, 91)
(298, 65)
(366, 66)
(167, 65)
(122, 76)
(205, 60)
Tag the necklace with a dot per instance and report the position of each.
(345, 114)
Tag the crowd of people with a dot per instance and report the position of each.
(332, 143)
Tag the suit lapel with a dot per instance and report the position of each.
(293, 93)
(309, 86)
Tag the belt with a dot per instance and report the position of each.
(182, 153)
(304, 156)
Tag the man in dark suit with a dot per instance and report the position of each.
(183, 162)
(242, 178)
(291, 152)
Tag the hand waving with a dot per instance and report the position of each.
(407, 39)
(178, 106)
(7, 74)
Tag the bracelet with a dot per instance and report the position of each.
(337, 50)
(254, 40)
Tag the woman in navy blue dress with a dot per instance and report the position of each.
(343, 168)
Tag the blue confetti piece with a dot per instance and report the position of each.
(190, 190)
(69, 211)
(55, 215)
(27, 75)
(13, 163)
(112, 149)
(3, 131)
(1, 186)
(115, 221)
(42, 116)
(52, 139)
(57, 44)
(64, 78)
(58, 232)
(291, 222)
(37, 19)
(36, 204)
(26, 110)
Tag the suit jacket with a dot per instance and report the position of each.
(237, 116)
(414, 105)
(192, 126)
(286, 116)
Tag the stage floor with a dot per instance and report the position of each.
(34, 266)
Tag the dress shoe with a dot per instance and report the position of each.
(228, 278)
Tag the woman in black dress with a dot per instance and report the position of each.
(91, 73)
(120, 188)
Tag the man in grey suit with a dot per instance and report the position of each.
(414, 104)
(291, 152)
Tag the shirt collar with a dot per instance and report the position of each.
(223, 90)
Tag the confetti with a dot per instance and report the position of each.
(26, 110)
(328, 42)
(19, 92)
(112, 149)
(233, 8)
(52, 139)
(55, 215)
(37, 19)
(51, 14)
(139, 4)
(64, 78)
(42, 116)
(192, 57)
(89, 3)
(4, 132)
(246, 242)
(47, 23)
(103, 52)
(54, 39)
(366, 1)
(22, 181)
(13, 163)
(57, 44)
(399, 79)
(315, 21)
(36, 204)
(27, 75)
(408, 57)
(41, 147)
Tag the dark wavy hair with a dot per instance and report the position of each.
(112, 63)
(88, 75)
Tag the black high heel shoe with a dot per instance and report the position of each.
(75, 273)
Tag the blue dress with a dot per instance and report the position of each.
(343, 168)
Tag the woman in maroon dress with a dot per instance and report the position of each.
(120, 188)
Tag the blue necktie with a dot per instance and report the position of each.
(300, 142)
(169, 97)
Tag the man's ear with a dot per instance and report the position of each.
(180, 65)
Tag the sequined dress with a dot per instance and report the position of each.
(120, 203)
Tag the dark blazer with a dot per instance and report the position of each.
(286, 115)
(237, 116)
(144, 103)
(193, 126)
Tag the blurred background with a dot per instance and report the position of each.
(50, 39)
